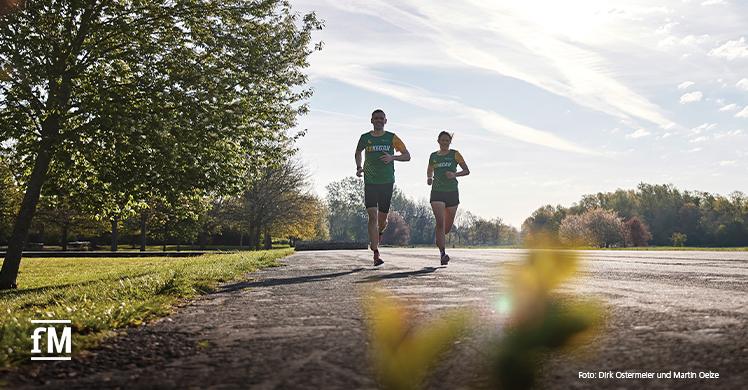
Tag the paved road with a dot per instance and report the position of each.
(301, 326)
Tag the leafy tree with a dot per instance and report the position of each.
(398, 231)
(596, 227)
(348, 218)
(573, 231)
(56, 215)
(306, 221)
(678, 239)
(659, 207)
(544, 221)
(603, 228)
(10, 6)
(9, 200)
(637, 232)
(275, 201)
(165, 97)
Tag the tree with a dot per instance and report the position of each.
(603, 228)
(573, 231)
(277, 201)
(678, 239)
(9, 6)
(180, 94)
(9, 200)
(417, 214)
(348, 218)
(306, 221)
(544, 221)
(398, 231)
(56, 215)
(637, 232)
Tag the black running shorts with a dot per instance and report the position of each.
(379, 196)
(450, 198)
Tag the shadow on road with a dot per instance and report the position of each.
(279, 282)
(399, 275)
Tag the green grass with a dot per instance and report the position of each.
(102, 294)
(159, 248)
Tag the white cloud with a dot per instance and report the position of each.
(727, 163)
(685, 84)
(742, 84)
(702, 128)
(691, 97)
(743, 113)
(638, 134)
(731, 133)
(548, 50)
(666, 28)
(690, 42)
(699, 139)
(729, 107)
(488, 120)
(731, 50)
(694, 150)
(713, 2)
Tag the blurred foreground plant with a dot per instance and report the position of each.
(537, 322)
(403, 351)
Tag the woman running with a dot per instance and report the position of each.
(442, 177)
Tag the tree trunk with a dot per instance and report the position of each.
(17, 242)
(65, 229)
(268, 240)
(254, 238)
(115, 233)
(143, 227)
(241, 240)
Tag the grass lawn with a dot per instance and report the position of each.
(158, 248)
(102, 294)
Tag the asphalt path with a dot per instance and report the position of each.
(302, 325)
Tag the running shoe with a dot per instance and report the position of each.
(445, 259)
(377, 261)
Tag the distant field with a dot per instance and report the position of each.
(102, 294)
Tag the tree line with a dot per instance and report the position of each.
(410, 222)
(651, 214)
(276, 205)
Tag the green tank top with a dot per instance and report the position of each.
(375, 170)
(442, 165)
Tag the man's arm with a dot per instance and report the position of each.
(403, 156)
(399, 147)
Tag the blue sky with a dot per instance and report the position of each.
(548, 100)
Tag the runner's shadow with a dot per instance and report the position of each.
(399, 275)
(280, 282)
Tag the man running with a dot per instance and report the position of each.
(379, 175)
(441, 175)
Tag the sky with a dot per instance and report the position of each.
(548, 100)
